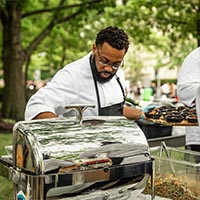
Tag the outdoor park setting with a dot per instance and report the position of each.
(38, 38)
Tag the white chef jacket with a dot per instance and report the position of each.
(74, 84)
(188, 83)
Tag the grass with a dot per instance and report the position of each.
(6, 186)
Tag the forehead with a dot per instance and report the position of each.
(111, 53)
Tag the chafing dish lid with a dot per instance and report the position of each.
(64, 138)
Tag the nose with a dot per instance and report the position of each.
(108, 68)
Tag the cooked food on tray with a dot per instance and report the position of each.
(172, 114)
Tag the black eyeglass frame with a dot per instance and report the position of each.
(114, 66)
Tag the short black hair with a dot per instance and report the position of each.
(114, 36)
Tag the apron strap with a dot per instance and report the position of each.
(92, 65)
(97, 91)
(123, 92)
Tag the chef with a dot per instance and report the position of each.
(96, 78)
(188, 84)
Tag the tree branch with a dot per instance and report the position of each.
(37, 40)
(57, 8)
(46, 31)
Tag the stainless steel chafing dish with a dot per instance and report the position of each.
(92, 158)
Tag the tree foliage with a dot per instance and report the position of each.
(168, 28)
(43, 16)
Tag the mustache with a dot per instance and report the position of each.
(105, 72)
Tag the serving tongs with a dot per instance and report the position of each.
(163, 147)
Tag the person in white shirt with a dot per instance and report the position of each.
(188, 83)
(96, 79)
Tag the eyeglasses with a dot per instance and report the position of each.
(114, 66)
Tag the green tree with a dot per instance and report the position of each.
(16, 49)
(170, 26)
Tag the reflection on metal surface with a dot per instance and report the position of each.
(55, 157)
(66, 140)
(127, 192)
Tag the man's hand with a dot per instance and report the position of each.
(44, 115)
(132, 113)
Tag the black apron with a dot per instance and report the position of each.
(113, 110)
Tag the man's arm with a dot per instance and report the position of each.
(132, 113)
(44, 115)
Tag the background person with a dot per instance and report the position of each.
(188, 83)
(165, 89)
(96, 78)
(172, 90)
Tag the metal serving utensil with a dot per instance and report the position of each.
(79, 108)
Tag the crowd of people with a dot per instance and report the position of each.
(136, 91)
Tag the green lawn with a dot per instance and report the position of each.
(6, 188)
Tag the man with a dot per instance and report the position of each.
(187, 90)
(97, 79)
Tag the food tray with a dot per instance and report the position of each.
(164, 122)
(172, 116)
(177, 175)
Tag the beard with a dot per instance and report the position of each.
(97, 75)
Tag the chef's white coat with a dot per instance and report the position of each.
(74, 84)
(187, 90)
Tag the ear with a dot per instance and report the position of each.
(94, 48)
